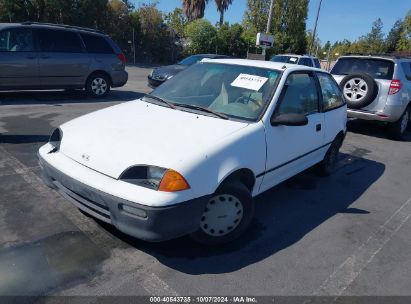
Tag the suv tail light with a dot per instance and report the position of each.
(395, 87)
(122, 58)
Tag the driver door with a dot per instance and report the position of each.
(292, 149)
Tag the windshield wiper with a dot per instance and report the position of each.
(161, 100)
(190, 106)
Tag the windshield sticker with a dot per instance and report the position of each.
(292, 59)
(250, 82)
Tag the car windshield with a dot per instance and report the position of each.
(191, 60)
(240, 92)
(285, 59)
(377, 68)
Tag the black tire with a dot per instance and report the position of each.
(327, 166)
(98, 85)
(398, 128)
(349, 90)
(243, 195)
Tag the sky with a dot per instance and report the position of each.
(339, 19)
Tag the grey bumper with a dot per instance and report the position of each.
(144, 222)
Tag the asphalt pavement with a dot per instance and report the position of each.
(347, 234)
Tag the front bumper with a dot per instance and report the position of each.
(153, 83)
(144, 222)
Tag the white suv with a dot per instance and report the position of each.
(189, 157)
(306, 60)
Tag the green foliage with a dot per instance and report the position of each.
(176, 20)
(230, 40)
(201, 37)
(394, 36)
(287, 25)
(404, 42)
(194, 9)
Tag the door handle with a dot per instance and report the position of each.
(318, 127)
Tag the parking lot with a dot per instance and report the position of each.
(347, 234)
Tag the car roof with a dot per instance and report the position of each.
(211, 55)
(52, 26)
(280, 66)
(384, 57)
(295, 55)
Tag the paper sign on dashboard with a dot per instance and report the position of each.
(250, 82)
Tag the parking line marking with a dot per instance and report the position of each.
(350, 269)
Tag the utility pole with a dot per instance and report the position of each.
(270, 15)
(134, 47)
(315, 27)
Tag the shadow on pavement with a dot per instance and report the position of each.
(284, 215)
(60, 97)
(23, 139)
(372, 128)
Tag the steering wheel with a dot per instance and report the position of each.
(246, 100)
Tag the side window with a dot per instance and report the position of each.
(299, 95)
(16, 40)
(406, 66)
(96, 44)
(59, 41)
(306, 62)
(332, 96)
(317, 63)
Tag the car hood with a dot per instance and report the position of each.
(170, 70)
(140, 133)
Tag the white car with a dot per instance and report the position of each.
(189, 157)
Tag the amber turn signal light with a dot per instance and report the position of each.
(173, 181)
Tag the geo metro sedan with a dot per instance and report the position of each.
(188, 158)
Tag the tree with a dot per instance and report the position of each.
(287, 25)
(230, 40)
(222, 6)
(404, 43)
(201, 37)
(194, 9)
(394, 36)
(177, 21)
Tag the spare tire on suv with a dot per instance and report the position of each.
(359, 90)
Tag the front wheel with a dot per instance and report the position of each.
(226, 216)
(398, 128)
(98, 85)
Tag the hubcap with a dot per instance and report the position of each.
(355, 89)
(404, 121)
(222, 215)
(99, 86)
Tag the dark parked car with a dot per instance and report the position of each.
(52, 56)
(161, 74)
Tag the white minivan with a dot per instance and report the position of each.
(189, 157)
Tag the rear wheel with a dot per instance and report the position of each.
(98, 85)
(328, 164)
(398, 128)
(227, 215)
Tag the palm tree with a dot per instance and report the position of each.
(222, 6)
(194, 9)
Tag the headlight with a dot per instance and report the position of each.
(155, 178)
(55, 139)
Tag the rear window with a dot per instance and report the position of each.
(306, 62)
(59, 41)
(377, 68)
(285, 59)
(96, 44)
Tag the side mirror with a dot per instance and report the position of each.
(289, 119)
